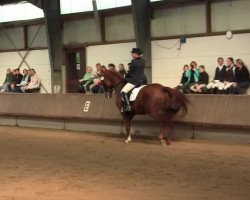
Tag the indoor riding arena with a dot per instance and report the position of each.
(124, 100)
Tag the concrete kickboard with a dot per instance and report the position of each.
(93, 126)
(220, 134)
(34, 122)
(8, 120)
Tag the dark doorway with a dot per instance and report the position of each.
(75, 68)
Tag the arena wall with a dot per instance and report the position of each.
(210, 117)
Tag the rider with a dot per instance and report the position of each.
(135, 76)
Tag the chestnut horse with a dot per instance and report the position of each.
(159, 102)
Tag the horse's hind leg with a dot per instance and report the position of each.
(161, 136)
(170, 132)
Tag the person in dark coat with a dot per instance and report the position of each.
(242, 79)
(203, 81)
(135, 76)
(229, 79)
(19, 76)
(184, 78)
(16, 78)
(219, 76)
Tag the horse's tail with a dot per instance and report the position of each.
(179, 101)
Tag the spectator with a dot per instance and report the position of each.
(25, 81)
(111, 67)
(192, 76)
(241, 77)
(86, 81)
(203, 81)
(184, 78)
(19, 77)
(229, 76)
(94, 88)
(122, 70)
(34, 83)
(16, 78)
(218, 77)
(6, 85)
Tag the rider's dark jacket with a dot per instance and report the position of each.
(135, 74)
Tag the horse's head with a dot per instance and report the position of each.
(107, 82)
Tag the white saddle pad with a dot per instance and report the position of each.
(135, 93)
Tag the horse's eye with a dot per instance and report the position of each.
(102, 78)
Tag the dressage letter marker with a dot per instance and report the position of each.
(86, 106)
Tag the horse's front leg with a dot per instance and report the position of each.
(128, 130)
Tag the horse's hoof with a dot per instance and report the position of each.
(163, 142)
(128, 140)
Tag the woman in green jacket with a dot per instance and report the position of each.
(86, 81)
(193, 75)
(6, 85)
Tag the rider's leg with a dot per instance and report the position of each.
(124, 92)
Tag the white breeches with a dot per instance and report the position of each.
(225, 86)
(213, 85)
(127, 87)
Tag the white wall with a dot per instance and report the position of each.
(112, 53)
(37, 59)
(167, 61)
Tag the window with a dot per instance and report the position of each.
(20, 11)
(74, 6)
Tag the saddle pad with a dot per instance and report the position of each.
(135, 93)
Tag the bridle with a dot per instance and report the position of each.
(108, 92)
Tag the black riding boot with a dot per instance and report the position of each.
(127, 107)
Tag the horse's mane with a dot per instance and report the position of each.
(114, 74)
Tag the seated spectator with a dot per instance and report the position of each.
(86, 81)
(6, 84)
(219, 77)
(34, 84)
(19, 76)
(242, 79)
(184, 78)
(111, 67)
(192, 75)
(16, 78)
(229, 79)
(96, 86)
(202, 83)
(25, 81)
(122, 70)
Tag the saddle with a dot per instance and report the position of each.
(133, 93)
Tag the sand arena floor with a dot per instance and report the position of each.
(37, 164)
